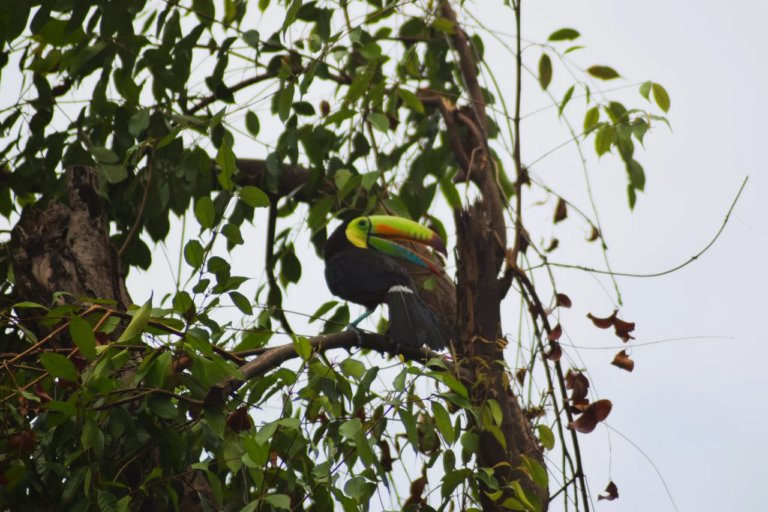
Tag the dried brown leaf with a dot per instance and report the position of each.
(594, 414)
(594, 235)
(603, 323)
(101, 338)
(623, 329)
(561, 211)
(623, 361)
(325, 108)
(22, 442)
(520, 375)
(42, 395)
(552, 245)
(239, 420)
(386, 456)
(612, 490)
(563, 300)
(555, 334)
(555, 352)
(417, 489)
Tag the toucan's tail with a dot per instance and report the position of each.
(412, 323)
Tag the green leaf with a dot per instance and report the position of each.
(285, 101)
(194, 254)
(364, 449)
(443, 421)
(59, 366)
(163, 407)
(204, 212)
(279, 501)
(242, 303)
(232, 233)
(411, 100)
(565, 101)
(545, 71)
(603, 72)
(450, 193)
(349, 428)
(323, 310)
(573, 49)
(90, 436)
(603, 140)
(228, 164)
(645, 90)
(138, 122)
(444, 25)
(661, 97)
(564, 34)
(369, 179)
(82, 335)
(546, 436)
(453, 384)
(591, 119)
(512, 504)
(253, 197)
(251, 38)
(138, 322)
(514, 484)
(64, 408)
(252, 123)
(379, 121)
(302, 347)
(535, 470)
(106, 500)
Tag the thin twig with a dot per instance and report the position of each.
(270, 263)
(151, 158)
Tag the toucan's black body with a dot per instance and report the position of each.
(369, 278)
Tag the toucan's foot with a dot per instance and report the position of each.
(358, 334)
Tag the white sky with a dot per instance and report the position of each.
(695, 407)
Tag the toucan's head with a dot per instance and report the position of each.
(378, 232)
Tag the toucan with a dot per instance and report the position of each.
(361, 266)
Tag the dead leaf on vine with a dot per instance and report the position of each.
(239, 420)
(42, 395)
(602, 323)
(101, 338)
(623, 361)
(563, 300)
(22, 442)
(555, 334)
(579, 383)
(555, 352)
(593, 415)
(552, 245)
(561, 211)
(612, 490)
(520, 375)
(621, 327)
(417, 489)
(594, 235)
(325, 108)
(386, 456)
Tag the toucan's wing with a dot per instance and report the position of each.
(364, 276)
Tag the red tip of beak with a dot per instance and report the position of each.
(437, 244)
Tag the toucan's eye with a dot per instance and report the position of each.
(361, 223)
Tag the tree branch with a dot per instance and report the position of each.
(275, 357)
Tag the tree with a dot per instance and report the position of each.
(117, 407)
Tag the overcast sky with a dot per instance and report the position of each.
(696, 407)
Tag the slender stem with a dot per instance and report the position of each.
(270, 263)
(143, 204)
(516, 153)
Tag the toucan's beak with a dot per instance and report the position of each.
(397, 228)
(384, 230)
